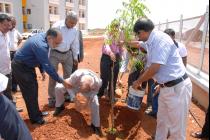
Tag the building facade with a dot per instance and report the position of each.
(13, 8)
(41, 14)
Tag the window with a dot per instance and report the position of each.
(24, 10)
(82, 2)
(82, 26)
(71, 1)
(1, 7)
(82, 14)
(50, 9)
(8, 8)
(29, 26)
(28, 11)
(55, 10)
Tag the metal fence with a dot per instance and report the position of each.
(194, 33)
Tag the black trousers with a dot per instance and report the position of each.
(106, 73)
(12, 126)
(14, 83)
(8, 91)
(26, 79)
(205, 130)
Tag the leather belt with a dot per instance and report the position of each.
(60, 51)
(174, 82)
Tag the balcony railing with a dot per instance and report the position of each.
(54, 2)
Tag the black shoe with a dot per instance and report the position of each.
(40, 122)
(58, 110)
(96, 130)
(199, 135)
(45, 113)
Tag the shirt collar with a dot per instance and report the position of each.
(151, 38)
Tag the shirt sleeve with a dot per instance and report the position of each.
(19, 35)
(161, 52)
(182, 50)
(41, 55)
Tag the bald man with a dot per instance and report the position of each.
(87, 83)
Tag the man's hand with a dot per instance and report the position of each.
(136, 85)
(157, 90)
(75, 62)
(113, 57)
(67, 84)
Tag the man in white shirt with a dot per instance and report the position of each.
(87, 83)
(5, 62)
(67, 52)
(181, 47)
(165, 65)
(15, 39)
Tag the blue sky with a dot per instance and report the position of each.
(101, 12)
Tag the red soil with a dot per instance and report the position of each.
(72, 125)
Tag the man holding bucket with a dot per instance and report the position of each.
(165, 65)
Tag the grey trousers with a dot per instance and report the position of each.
(94, 103)
(57, 58)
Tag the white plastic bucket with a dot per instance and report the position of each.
(134, 99)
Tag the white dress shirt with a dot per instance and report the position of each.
(14, 37)
(70, 39)
(5, 62)
(162, 50)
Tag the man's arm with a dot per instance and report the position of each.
(149, 73)
(184, 59)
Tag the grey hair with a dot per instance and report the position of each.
(53, 32)
(72, 15)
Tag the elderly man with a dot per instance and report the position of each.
(67, 52)
(12, 126)
(34, 53)
(86, 82)
(165, 65)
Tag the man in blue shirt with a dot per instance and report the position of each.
(166, 66)
(34, 53)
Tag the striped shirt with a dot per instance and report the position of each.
(162, 50)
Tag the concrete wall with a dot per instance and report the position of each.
(38, 16)
(200, 95)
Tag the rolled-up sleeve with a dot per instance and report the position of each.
(41, 55)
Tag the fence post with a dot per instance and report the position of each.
(167, 24)
(180, 28)
(203, 44)
(159, 26)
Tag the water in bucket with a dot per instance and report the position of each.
(135, 98)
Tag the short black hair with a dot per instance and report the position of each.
(4, 17)
(170, 32)
(53, 32)
(143, 24)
